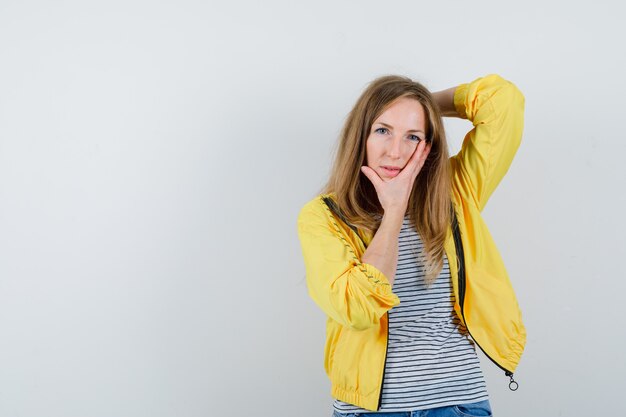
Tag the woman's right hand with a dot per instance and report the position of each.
(394, 193)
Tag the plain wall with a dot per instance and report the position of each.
(154, 156)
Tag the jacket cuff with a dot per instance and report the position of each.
(381, 282)
(460, 94)
(376, 276)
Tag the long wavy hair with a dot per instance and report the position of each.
(430, 201)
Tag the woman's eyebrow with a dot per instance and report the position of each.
(391, 127)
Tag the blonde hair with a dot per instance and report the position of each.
(429, 205)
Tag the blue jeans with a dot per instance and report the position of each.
(481, 408)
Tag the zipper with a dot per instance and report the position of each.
(380, 398)
(513, 385)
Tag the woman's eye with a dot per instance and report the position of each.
(381, 130)
(416, 138)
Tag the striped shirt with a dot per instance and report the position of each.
(431, 361)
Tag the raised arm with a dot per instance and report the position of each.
(495, 107)
(445, 101)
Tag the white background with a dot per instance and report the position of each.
(154, 156)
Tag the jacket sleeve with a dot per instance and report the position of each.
(496, 109)
(353, 293)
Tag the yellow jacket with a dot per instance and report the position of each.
(355, 295)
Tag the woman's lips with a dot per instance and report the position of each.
(391, 172)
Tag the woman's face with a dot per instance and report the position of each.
(394, 137)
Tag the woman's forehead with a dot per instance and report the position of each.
(403, 111)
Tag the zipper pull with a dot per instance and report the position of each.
(513, 386)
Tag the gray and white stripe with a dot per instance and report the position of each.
(431, 361)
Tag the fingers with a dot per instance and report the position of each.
(410, 170)
(417, 160)
(372, 176)
(425, 153)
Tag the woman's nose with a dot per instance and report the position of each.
(393, 147)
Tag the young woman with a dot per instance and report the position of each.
(398, 256)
